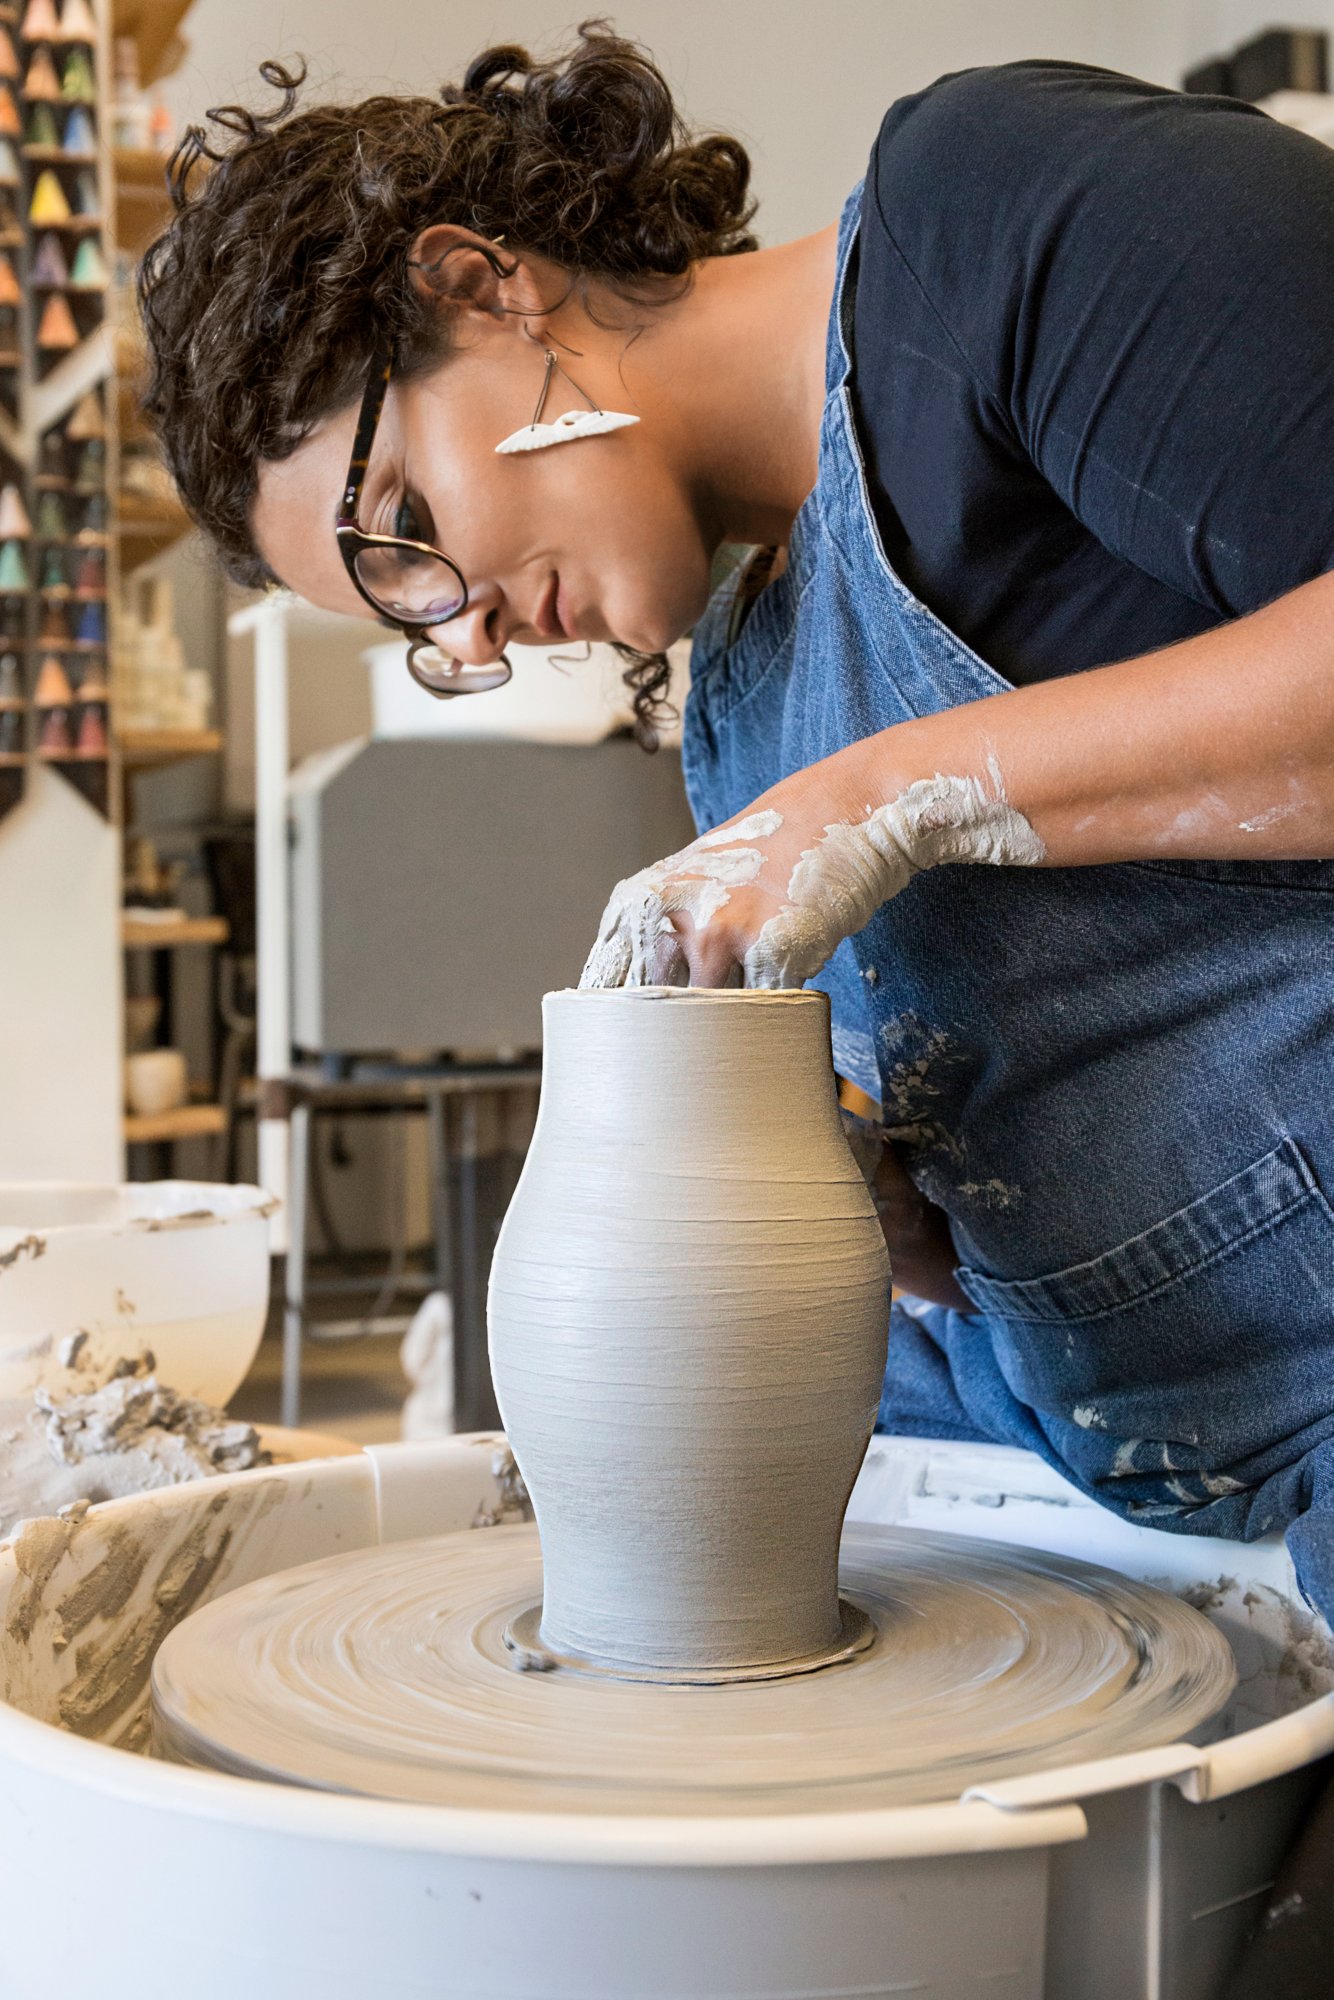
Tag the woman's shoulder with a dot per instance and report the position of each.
(1003, 133)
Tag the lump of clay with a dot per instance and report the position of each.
(100, 1441)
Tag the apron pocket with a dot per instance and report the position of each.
(1213, 1329)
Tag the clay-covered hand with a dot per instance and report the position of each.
(766, 898)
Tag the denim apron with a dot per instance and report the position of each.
(1118, 1081)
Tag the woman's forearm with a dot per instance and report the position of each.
(1221, 747)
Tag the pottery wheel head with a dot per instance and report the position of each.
(385, 1672)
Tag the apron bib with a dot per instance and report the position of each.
(1117, 1081)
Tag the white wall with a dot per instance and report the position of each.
(60, 988)
(804, 82)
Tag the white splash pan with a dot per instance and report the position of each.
(181, 1267)
(1136, 1877)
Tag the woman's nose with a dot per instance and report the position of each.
(478, 635)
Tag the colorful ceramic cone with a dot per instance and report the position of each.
(13, 569)
(52, 524)
(95, 519)
(14, 522)
(80, 140)
(9, 61)
(11, 681)
(56, 332)
(87, 201)
(77, 23)
(40, 127)
(92, 731)
(9, 164)
(90, 576)
(53, 689)
(41, 85)
(55, 740)
(92, 626)
(48, 263)
(80, 85)
(88, 420)
(11, 125)
(39, 21)
(48, 206)
(54, 578)
(10, 294)
(90, 271)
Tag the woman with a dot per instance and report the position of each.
(1020, 725)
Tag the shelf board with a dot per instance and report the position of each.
(143, 749)
(190, 1121)
(142, 934)
(155, 25)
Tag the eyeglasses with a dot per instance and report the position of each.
(411, 584)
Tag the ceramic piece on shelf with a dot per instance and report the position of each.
(13, 569)
(89, 273)
(53, 689)
(93, 686)
(80, 84)
(91, 629)
(40, 23)
(95, 518)
(9, 164)
(9, 61)
(91, 471)
(48, 263)
(11, 125)
(77, 23)
(92, 740)
(87, 201)
(54, 628)
(14, 522)
(41, 85)
(11, 293)
(90, 576)
(54, 578)
(11, 733)
(80, 140)
(40, 127)
(88, 419)
(51, 460)
(56, 331)
(52, 521)
(55, 739)
(48, 205)
(11, 681)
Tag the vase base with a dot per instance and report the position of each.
(529, 1653)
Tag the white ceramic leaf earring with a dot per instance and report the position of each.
(591, 422)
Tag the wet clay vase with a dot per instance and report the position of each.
(689, 1307)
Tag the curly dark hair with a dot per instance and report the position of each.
(286, 256)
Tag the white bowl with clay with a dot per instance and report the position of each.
(181, 1267)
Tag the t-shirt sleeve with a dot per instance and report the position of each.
(1141, 285)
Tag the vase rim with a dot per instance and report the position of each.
(727, 995)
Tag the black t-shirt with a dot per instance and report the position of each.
(1094, 375)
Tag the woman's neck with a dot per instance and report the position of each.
(736, 369)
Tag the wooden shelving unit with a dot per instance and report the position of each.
(189, 1121)
(155, 25)
(150, 749)
(144, 934)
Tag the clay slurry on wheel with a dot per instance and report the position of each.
(384, 1672)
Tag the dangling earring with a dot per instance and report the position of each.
(591, 422)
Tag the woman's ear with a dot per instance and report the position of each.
(448, 262)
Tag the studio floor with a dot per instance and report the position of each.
(350, 1387)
